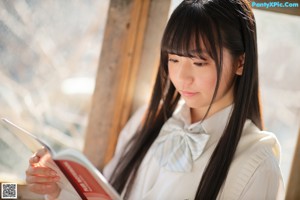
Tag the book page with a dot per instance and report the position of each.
(31, 141)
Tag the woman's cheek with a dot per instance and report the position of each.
(172, 77)
(207, 83)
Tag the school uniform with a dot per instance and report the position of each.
(174, 164)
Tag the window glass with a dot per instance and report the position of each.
(48, 61)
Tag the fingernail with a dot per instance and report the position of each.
(36, 158)
(44, 149)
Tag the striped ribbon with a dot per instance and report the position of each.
(177, 147)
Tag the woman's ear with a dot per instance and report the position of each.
(240, 65)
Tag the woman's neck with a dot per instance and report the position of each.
(198, 114)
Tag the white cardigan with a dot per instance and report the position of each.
(253, 174)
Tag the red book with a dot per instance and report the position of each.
(78, 175)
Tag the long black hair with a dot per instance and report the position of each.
(218, 24)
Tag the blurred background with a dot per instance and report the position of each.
(49, 52)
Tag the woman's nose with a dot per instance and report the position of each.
(185, 73)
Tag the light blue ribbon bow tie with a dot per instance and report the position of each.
(176, 147)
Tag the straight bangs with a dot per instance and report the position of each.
(191, 33)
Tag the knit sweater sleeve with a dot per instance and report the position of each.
(265, 183)
(255, 171)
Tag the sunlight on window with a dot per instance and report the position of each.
(80, 85)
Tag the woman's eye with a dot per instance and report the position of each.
(200, 64)
(173, 60)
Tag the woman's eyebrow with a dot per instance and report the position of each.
(203, 54)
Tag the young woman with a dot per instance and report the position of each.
(212, 145)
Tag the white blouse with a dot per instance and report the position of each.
(174, 164)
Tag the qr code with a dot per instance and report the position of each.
(9, 191)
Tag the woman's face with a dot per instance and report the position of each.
(195, 79)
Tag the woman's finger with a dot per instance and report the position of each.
(40, 171)
(42, 179)
(35, 158)
(41, 152)
(42, 188)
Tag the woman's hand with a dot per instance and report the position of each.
(41, 179)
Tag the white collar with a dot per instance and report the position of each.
(213, 125)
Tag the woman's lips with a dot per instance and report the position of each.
(188, 94)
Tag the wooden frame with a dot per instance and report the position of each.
(123, 47)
